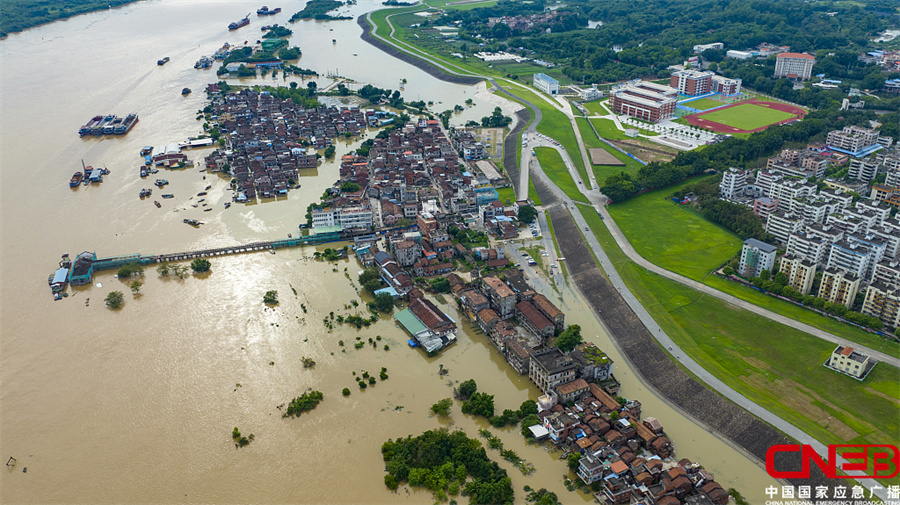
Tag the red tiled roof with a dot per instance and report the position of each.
(571, 387)
(532, 314)
(499, 286)
(546, 306)
(796, 55)
(847, 351)
(428, 313)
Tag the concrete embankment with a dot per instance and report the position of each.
(523, 117)
(419, 63)
(649, 360)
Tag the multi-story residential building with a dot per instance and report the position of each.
(571, 391)
(800, 272)
(733, 182)
(794, 65)
(846, 360)
(765, 179)
(550, 311)
(550, 368)
(546, 84)
(851, 221)
(345, 217)
(593, 364)
(841, 198)
(887, 272)
(763, 206)
(644, 100)
(789, 192)
(756, 256)
(883, 302)
(406, 252)
(503, 300)
(857, 141)
(531, 318)
(808, 247)
(782, 224)
(863, 169)
(828, 233)
(880, 210)
(856, 257)
(839, 287)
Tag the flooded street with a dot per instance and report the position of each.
(137, 405)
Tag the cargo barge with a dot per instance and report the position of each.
(108, 125)
(264, 11)
(240, 24)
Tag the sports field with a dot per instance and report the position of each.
(746, 117)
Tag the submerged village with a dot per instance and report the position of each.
(420, 204)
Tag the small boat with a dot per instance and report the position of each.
(202, 193)
(207, 210)
(104, 171)
(334, 41)
(163, 61)
(193, 222)
(195, 206)
(146, 150)
(76, 179)
(185, 91)
(265, 28)
(157, 204)
(227, 204)
(144, 172)
(201, 200)
(207, 186)
(168, 195)
(160, 182)
(146, 192)
(264, 11)
(240, 24)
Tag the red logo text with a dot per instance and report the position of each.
(879, 459)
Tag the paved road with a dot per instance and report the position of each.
(647, 320)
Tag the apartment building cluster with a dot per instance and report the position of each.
(696, 82)
(644, 100)
(270, 139)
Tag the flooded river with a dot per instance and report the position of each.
(137, 405)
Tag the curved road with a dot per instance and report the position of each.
(598, 202)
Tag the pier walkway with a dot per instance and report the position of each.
(270, 245)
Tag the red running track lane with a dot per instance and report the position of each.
(697, 119)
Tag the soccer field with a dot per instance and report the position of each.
(747, 116)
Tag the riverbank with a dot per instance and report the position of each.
(419, 63)
(15, 18)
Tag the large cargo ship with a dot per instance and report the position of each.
(127, 124)
(109, 125)
(87, 128)
(241, 23)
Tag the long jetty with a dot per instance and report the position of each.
(270, 245)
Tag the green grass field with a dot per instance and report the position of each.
(747, 116)
(678, 239)
(506, 193)
(607, 129)
(601, 172)
(704, 104)
(553, 165)
(775, 366)
(532, 192)
(595, 107)
(673, 237)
